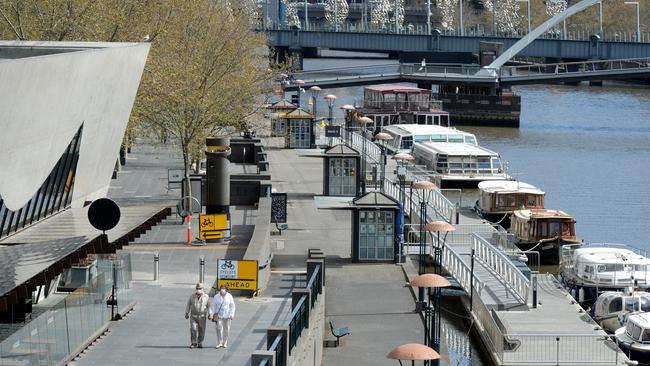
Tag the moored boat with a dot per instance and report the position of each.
(612, 308)
(543, 230)
(405, 135)
(634, 338)
(499, 199)
(593, 269)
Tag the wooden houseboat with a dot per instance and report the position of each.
(397, 104)
(498, 199)
(544, 231)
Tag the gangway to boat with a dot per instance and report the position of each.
(516, 331)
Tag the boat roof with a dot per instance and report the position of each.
(457, 148)
(424, 129)
(542, 213)
(396, 89)
(508, 186)
(642, 320)
(609, 255)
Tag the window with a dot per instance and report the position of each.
(506, 200)
(531, 201)
(438, 138)
(636, 332)
(554, 229)
(54, 194)
(616, 305)
(470, 140)
(456, 138)
(646, 336)
(376, 235)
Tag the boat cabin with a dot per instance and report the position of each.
(398, 104)
(612, 304)
(459, 162)
(505, 196)
(638, 328)
(611, 266)
(404, 135)
(535, 225)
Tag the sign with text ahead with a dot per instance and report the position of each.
(332, 131)
(238, 275)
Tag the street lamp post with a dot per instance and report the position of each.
(365, 121)
(424, 186)
(528, 9)
(403, 159)
(429, 17)
(300, 83)
(315, 90)
(330, 98)
(638, 25)
(432, 310)
(383, 138)
(494, 17)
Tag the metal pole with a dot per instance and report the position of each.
(429, 17)
(471, 284)
(529, 19)
(156, 266)
(113, 300)
(638, 24)
(202, 269)
(364, 18)
(363, 161)
(422, 241)
(534, 292)
(395, 14)
(306, 17)
(600, 18)
(462, 29)
(494, 18)
(336, 18)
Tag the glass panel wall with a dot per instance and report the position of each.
(54, 194)
(65, 320)
(376, 234)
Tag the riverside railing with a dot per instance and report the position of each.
(297, 321)
(568, 68)
(563, 349)
(497, 262)
(492, 331)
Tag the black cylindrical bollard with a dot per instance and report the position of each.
(156, 266)
(535, 292)
(201, 269)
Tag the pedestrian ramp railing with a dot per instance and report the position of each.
(498, 263)
(283, 340)
(371, 152)
(437, 205)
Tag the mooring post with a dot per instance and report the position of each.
(156, 266)
(471, 286)
(201, 269)
(534, 292)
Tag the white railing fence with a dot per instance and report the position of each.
(500, 265)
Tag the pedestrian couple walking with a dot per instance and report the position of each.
(199, 309)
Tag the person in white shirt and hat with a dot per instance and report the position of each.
(197, 312)
(222, 311)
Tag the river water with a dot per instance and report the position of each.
(587, 147)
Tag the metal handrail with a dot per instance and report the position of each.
(297, 321)
(497, 262)
(276, 347)
(457, 267)
(314, 281)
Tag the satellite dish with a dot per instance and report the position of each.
(103, 214)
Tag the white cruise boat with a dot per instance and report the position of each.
(634, 338)
(595, 268)
(459, 164)
(405, 135)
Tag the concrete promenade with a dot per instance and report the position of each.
(371, 299)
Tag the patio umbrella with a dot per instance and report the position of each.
(413, 352)
(430, 280)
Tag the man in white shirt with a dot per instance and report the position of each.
(196, 311)
(222, 311)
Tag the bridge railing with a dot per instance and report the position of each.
(500, 265)
(472, 31)
(581, 67)
(467, 70)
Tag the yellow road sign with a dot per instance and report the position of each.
(237, 274)
(212, 226)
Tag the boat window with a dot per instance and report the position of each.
(541, 229)
(566, 229)
(589, 269)
(484, 162)
(496, 164)
(646, 336)
(456, 138)
(407, 142)
(632, 304)
(616, 305)
(438, 138)
(645, 304)
(444, 121)
(636, 332)
(422, 119)
(531, 201)
(422, 137)
(554, 229)
(470, 140)
(506, 200)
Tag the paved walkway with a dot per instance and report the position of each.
(369, 298)
(156, 332)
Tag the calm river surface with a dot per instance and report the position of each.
(587, 147)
